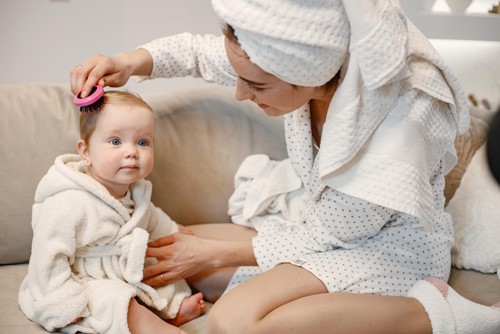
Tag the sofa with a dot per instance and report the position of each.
(202, 135)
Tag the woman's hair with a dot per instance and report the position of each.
(88, 120)
(228, 31)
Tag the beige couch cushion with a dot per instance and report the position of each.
(38, 123)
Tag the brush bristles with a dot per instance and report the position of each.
(96, 106)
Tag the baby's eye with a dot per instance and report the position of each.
(115, 141)
(143, 142)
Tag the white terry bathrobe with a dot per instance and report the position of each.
(88, 254)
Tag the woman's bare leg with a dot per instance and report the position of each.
(289, 299)
(213, 282)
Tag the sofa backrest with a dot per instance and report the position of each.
(38, 122)
(202, 135)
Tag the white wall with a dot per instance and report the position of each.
(41, 40)
(475, 62)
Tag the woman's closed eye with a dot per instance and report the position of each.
(254, 88)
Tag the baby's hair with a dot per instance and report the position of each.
(88, 120)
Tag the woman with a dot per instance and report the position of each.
(371, 113)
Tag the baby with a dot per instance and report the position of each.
(92, 220)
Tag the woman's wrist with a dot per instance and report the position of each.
(136, 62)
(225, 254)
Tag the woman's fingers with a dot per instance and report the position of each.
(163, 241)
(73, 76)
(177, 256)
(153, 270)
(161, 279)
(79, 75)
(158, 249)
(160, 273)
(96, 69)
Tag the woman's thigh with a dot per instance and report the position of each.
(213, 282)
(289, 299)
(249, 303)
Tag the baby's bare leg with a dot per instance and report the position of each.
(191, 308)
(142, 320)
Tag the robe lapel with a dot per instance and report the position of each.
(300, 150)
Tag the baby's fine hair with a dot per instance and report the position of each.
(88, 120)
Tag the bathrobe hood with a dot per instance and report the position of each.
(67, 174)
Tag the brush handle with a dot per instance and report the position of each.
(95, 95)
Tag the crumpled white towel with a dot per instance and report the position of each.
(265, 187)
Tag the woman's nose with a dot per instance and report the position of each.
(242, 91)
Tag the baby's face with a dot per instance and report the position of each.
(120, 150)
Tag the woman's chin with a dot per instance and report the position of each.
(270, 111)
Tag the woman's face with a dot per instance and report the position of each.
(276, 97)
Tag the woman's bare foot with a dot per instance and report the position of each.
(191, 308)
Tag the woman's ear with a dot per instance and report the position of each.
(83, 150)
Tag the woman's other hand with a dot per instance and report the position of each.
(112, 71)
(179, 255)
(212, 247)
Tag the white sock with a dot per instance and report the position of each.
(451, 313)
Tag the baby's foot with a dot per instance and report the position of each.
(191, 308)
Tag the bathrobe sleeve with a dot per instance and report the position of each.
(185, 54)
(159, 224)
(50, 294)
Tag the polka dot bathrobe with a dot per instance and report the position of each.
(372, 216)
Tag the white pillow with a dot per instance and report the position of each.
(475, 209)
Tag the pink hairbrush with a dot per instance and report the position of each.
(91, 103)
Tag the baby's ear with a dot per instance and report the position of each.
(83, 150)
